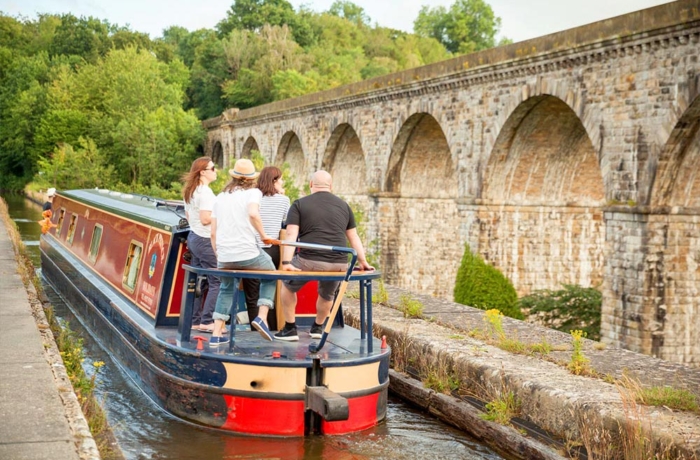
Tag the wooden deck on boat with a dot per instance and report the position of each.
(342, 346)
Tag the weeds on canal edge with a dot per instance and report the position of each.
(69, 346)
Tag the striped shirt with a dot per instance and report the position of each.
(273, 210)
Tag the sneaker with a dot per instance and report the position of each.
(288, 335)
(261, 327)
(316, 331)
(216, 341)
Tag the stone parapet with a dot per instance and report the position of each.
(567, 406)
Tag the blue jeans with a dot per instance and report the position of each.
(203, 256)
(228, 285)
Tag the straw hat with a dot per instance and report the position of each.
(243, 169)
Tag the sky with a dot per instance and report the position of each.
(520, 19)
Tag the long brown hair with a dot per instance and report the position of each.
(266, 181)
(239, 183)
(191, 178)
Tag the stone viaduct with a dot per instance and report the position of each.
(569, 158)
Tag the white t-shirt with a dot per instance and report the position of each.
(235, 235)
(202, 200)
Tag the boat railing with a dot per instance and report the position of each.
(363, 277)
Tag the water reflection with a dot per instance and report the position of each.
(145, 432)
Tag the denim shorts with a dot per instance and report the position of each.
(326, 289)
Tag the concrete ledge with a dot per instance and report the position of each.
(570, 407)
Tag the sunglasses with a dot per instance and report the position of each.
(213, 168)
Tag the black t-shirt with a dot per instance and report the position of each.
(47, 206)
(322, 218)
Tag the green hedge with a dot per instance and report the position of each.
(573, 307)
(482, 286)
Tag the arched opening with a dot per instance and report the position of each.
(345, 160)
(541, 219)
(250, 145)
(672, 270)
(217, 154)
(291, 152)
(420, 238)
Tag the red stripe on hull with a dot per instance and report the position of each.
(363, 415)
(264, 416)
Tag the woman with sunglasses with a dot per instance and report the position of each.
(199, 203)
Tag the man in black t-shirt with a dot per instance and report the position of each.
(320, 218)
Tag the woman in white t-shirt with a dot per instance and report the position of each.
(199, 204)
(235, 224)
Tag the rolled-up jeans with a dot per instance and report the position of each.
(228, 285)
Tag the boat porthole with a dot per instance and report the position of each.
(253, 384)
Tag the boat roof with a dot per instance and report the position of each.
(165, 214)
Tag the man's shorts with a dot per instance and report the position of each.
(326, 289)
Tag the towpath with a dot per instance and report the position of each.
(35, 421)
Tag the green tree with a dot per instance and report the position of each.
(350, 11)
(468, 26)
(22, 105)
(255, 63)
(69, 168)
(254, 14)
(290, 83)
(133, 107)
(84, 37)
(209, 71)
(483, 286)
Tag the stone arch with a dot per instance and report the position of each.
(249, 145)
(541, 218)
(419, 214)
(290, 151)
(420, 164)
(344, 158)
(671, 310)
(217, 154)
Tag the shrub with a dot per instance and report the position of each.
(482, 286)
(573, 307)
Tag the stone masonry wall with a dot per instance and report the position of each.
(625, 286)
(533, 244)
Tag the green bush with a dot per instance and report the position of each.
(482, 286)
(573, 307)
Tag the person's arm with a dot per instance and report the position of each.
(255, 220)
(288, 251)
(205, 217)
(356, 244)
(213, 234)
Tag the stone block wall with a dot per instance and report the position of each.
(542, 247)
(673, 265)
(625, 283)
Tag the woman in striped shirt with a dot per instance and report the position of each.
(273, 211)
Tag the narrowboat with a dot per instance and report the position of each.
(119, 260)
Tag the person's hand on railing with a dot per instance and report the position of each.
(364, 266)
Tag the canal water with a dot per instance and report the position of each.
(144, 431)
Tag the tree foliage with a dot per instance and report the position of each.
(468, 26)
(571, 308)
(483, 286)
(64, 78)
